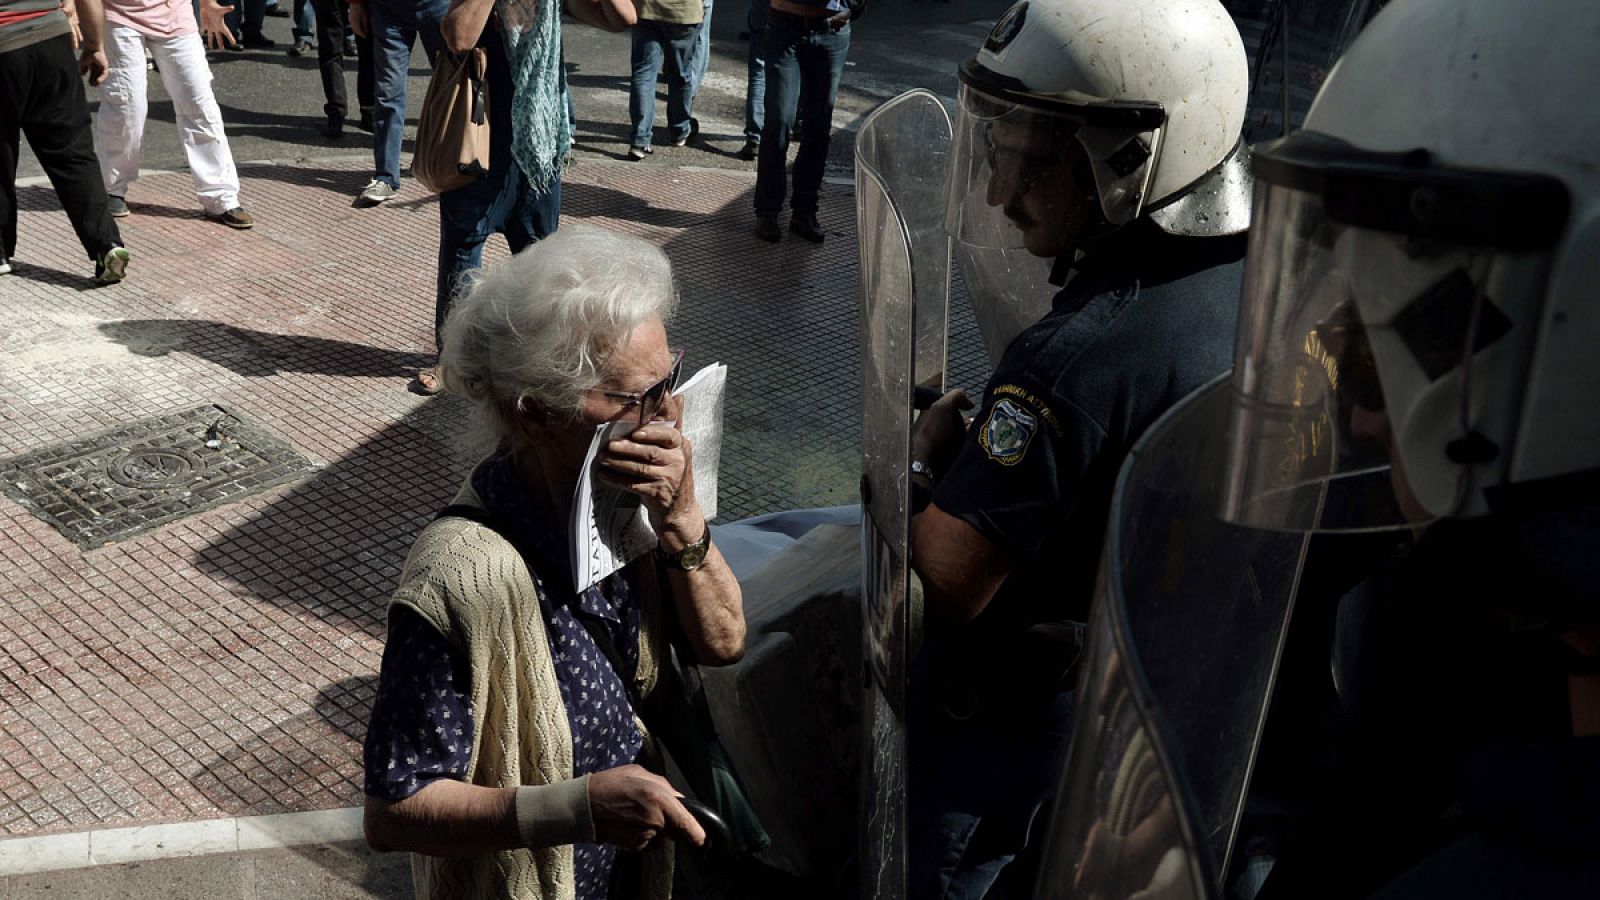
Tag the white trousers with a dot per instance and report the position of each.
(119, 125)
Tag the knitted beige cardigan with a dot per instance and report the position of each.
(473, 586)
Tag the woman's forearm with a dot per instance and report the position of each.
(464, 23)
(710, 604)
(453, 818)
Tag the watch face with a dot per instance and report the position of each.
(693, 555)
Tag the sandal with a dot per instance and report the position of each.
(427, 383)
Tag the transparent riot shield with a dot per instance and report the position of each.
(902, 161)
(1185, 635)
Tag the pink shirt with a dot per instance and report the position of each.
(153, 18)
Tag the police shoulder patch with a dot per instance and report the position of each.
(1007, 432)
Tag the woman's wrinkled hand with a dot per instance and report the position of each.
(631, 806)
(656, 462)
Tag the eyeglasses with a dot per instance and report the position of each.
(1023, 166)
(650, 399)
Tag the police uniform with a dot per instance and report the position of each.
(1144, 319)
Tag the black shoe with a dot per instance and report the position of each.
(333, 129)
(258, 42)
(767, 229)
(750, 150)
(278, 11)
(365, 123)
(807, 227)
(301, 47)
(350, 48)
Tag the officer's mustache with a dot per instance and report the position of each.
(1018, 215)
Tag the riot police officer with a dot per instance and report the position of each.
(1096, 155)
(1432, 236)
(1415, 363)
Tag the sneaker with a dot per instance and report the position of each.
(694, 129)
(117, 206)
(301, 47)
(333, 129)
(767, 229)
(233, 218)
(350, 48)
(376, 192)
(112, 267)
(5, 265)
(750, 150)
(637, 152)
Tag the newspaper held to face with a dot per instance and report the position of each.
(610, 527)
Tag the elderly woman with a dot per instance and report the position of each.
(503, 749)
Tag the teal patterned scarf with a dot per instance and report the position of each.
(540, 132)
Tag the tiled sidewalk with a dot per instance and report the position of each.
(223, 665)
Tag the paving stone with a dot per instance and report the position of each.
(223, 663)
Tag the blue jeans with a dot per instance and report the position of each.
(804, 60)
(653, 41)
(395, 26)
(503, 202)
(755, 83)
(700, 58)
(305, 21)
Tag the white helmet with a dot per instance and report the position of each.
(1154, 91)
(1422, 295)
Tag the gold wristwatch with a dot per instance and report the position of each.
(691, 556)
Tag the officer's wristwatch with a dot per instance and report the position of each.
(690, 557)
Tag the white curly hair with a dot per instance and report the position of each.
(539, 326)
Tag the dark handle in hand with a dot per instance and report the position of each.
(923, 396)
(718, 837)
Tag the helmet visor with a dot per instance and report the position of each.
(1367, 353)
(1039, 175)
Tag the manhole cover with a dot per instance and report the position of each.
(111, 486)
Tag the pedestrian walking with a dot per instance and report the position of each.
(333, 48)
(663, 40)
(41, 96)
(529, 133)
(167, 29)
(803, 51)
(393, 26)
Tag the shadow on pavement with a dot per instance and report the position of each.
(330, 548)
(293, 766)
(259, 354)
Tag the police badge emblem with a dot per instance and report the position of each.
(1007, 432)
(1005, 30)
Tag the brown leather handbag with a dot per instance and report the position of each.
(453, 133)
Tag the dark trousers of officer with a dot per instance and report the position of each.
(331, 18)
(41, 96)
